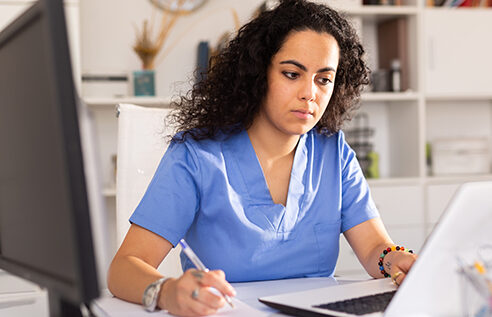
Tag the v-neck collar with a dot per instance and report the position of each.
(281, 217)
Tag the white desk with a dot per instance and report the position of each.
(246, 301)
(21, 298)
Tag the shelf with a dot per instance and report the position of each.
(397, 181)
(163, 102)
(380, 12)
(458, 179)
(455, 97)
(390, 96)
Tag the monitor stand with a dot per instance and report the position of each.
(60, 307)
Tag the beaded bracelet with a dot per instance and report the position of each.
(386, 251)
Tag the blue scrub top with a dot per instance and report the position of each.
(214, 194)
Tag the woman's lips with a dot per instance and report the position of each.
(302, 114)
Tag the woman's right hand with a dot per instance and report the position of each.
(191, 294)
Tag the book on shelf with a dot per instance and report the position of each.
(383, 2)
(460, 3)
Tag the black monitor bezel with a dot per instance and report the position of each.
(55, 35)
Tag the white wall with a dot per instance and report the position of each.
(107, 35)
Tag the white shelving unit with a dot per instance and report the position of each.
(409, 198)
(443, 101)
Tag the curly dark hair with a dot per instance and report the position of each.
(236, 85)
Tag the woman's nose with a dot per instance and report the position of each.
(307, 91)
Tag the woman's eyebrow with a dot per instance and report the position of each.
(296, 63)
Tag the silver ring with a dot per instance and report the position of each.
(197, 274)
(195, 293)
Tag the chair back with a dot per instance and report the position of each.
(142, 141)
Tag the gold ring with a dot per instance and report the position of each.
(195, 293)
(395, 276)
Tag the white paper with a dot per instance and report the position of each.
(245, 303)
(112, 306)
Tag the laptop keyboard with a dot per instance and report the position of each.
(361, 305)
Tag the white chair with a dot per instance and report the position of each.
(141, 143)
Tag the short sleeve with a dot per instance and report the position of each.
(171, 201)
(357, 203)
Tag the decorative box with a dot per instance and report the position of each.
(456, 156)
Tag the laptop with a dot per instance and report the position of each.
(433, 287)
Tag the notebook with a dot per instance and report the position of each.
(433, 287)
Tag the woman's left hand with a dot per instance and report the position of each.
(398, 264)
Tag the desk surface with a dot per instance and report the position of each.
(246, 301)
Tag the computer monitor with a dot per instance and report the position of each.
(45, 225)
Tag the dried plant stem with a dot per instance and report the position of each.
(146, 48)
(165, 30)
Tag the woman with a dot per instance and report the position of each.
(259, 179)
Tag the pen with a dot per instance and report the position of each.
(199, 265)
(482, 271)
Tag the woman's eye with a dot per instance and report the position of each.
(325, 80)
(290, 75)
